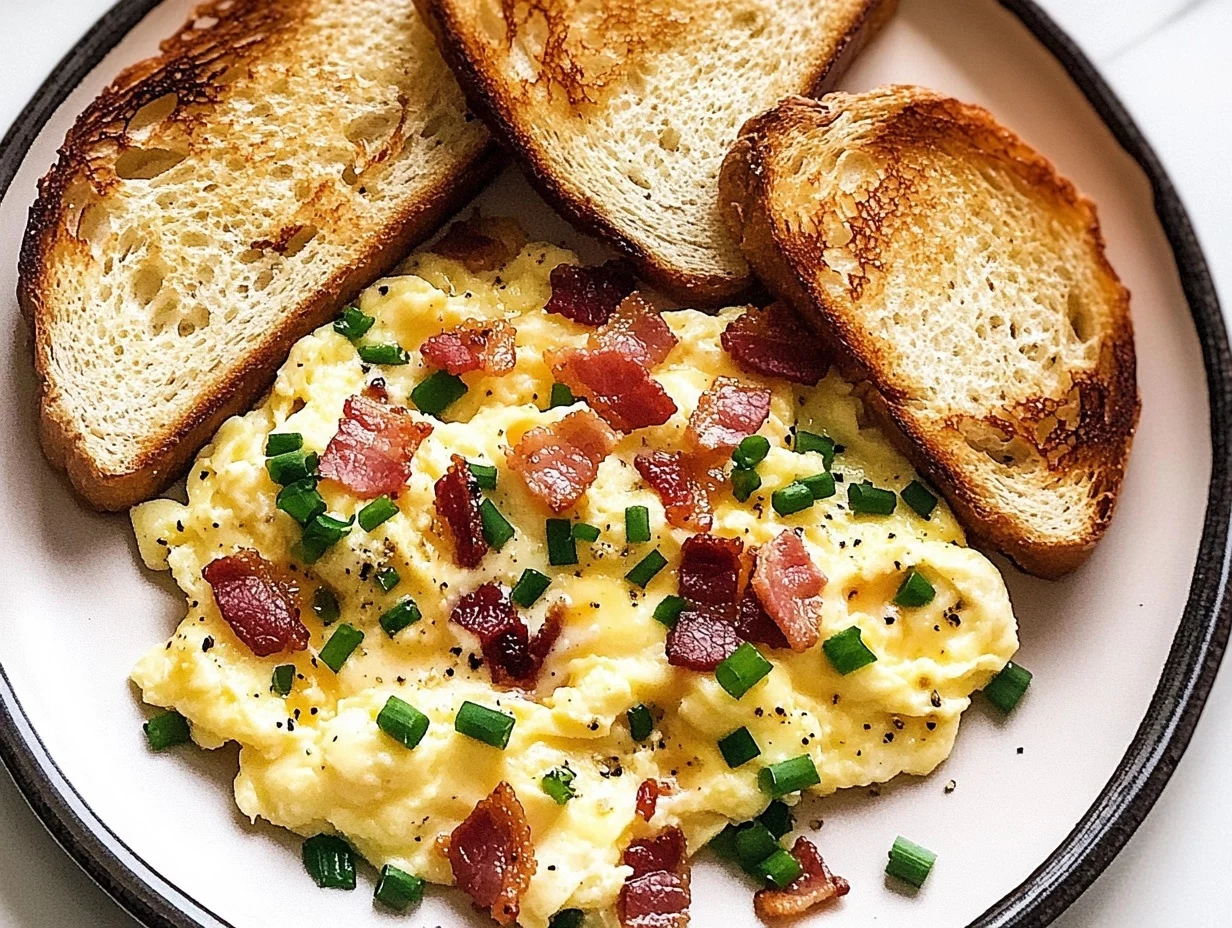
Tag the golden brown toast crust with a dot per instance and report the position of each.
(1101, 436)
(192, 65)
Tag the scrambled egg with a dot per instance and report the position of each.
(316, 760)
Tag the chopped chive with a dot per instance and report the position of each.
(434, 394)
(741, 670)
(909, 862)
(754, 843)
(398, 889)
(637, 525)
(388, 354)
(484, 474)
(387, 578)
(292, 466)
(1007, 688)
(561, 396)
(646, 569)
(778, 818)
(820, 485)
(919, 498)
(530, 586)
(669, 609)
(866, 499)
(568, 918)
(282, 679)
(398, 616)
(584, 531)
(744, 482)
(402, 722)
(558, 783)
(277, 443)
(793, 498)
(641, 722)
(325, 605)
(341, 644)
(484, 724)
(847, 651)
(562, 548)
(738, 748)
(381, 509)
(496, 528)
(301, 500)
(166, 730)
(330, 862)
(914, 591)
(788, 776)
(724, 843)
(751, 451)
(319, 536)
(811, 441)
(353, 324)
(780, 868)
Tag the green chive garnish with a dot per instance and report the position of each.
(740, 671)
(277, 443)
(789, 776)
(669, 609)
(353, 324)
(909, 862)
(530, 586)
(381, 509)
(745, 482)
(282, 679)
(810, 441)
(292, 466)
(301, 501)
(388, 354)
(752, 451)
(319, 536)
(166, 731)
(738, 748)
(919, 498)
(558, 783)
(402, 722)
(780, 868)
(1007, 687)
(398, 616)
(793, 498)
(568, 918)
(484, 474)
(646, 569)
(330, 862)
(496, 528)
(398, 889)
(847, 651)
(436, 393)
(341, 644)
(914, 591)
(484, 724)
(754, 843)
(820, 485)
(584, 531)
(866, 499)
(561, 396)
(724, 843)
(562, 548)
(387, 578)
(778, 818)
(325, 605)
(637, 525)
(641, 722)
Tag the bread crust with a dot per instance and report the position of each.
(483, 94)
(249, 29)
(1102, 443)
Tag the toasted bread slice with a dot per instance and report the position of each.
(621, 112)
(218, 202)
(966, 281)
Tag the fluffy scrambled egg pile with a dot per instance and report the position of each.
(316, 760)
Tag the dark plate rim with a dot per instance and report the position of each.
(1161, 738)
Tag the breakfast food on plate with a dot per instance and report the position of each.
(516, 583)
(955, 271)
(621, 112)
(220, 201)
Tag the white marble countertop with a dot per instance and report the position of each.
(1168, 60)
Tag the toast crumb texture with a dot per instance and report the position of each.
(216, 203)
(966, 281)
(622, 111)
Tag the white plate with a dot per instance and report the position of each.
(1044, 799)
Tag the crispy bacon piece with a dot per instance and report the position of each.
(656, 895)
(618, 388)
(371, 453)
(789, 585)
(727, 413)
(701, 640)
(648, 793)
(637, 331)
(775, 342)
(589, 295)
(477, 344)
(684, 500)
(665, 851)
(376, 390)
(817, 885)
(475, 250)
(259, 605)
(492, 856)
(560, 461)
(457, 502)
(513, 657)
(754, 623)
(709, 574)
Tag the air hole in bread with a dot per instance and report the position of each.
(148, 281)
(153, 112)
(1079, 316)
(371, 127)
(296, 243)
(146, 163)
(264, 279)
(1004, 448)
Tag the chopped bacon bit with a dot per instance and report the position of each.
(371, 453)
(754, 623)
(492, 856)
(376, 390)
(648, 793)
(665, 851)
(589, 295)
(549, 631)
(259, 605)
(637, 331)
(775, 342)
(477, 344)
(789, 585)
(475, 250)
(684, 500)
(701, 640)
(618, 388)
(457, 502)
(817, 885)
(513, 657)
(728, 413)
(709, 574)
(657, 894)
(560, 461)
